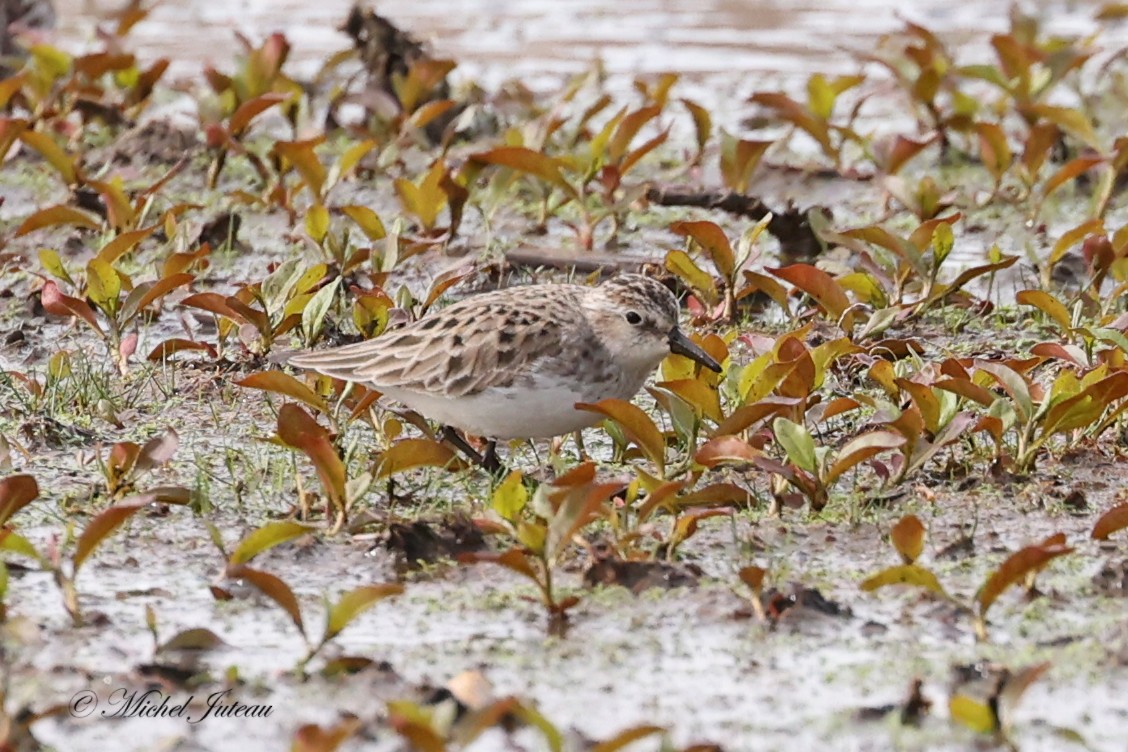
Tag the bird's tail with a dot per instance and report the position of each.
(346, 362)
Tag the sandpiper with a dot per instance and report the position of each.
(513, 363)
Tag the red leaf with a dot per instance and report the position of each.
(297, 429)
(274, 589)
(16, 492)
(55, 302)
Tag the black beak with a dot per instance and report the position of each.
(683, 345)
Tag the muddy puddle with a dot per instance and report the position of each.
(692, 659)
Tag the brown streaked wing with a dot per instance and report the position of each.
(493, 339)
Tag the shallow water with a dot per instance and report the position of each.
(749, 40)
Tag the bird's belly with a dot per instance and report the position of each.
(505, 413)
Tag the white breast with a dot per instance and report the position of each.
(510, 413)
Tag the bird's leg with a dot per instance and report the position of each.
(453, 438)
(490, 461)
(578, 436)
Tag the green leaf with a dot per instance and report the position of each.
(51, 262)
(680, 263)
(797, 443)
(17, 544)
(50, 150)
(739, 159)
(1014, 384)
(277, 285)
(313, 316)
(198, 640)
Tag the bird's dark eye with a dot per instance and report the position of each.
(633, 318)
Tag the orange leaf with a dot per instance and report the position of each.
(908, 537)
(148, 294)
(713, 241)
(119, 210)
(124, 243)
(302, 156)
(1048, 305)
(628, 128)
(1015, 568)
(753, 577)
(170, 347)
(429, 112)
(58, 215)
(968, 389)
(1110, 522)
(861, 448)
(994, 150)
(820, 286)
(412, 453)
(286, 385)
(637, 426)
(106, 523)
(746, 416)
(1070, 170)
(514, 559)
(251, 109)
(725, 450)
(213, 303)
(528, 161)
